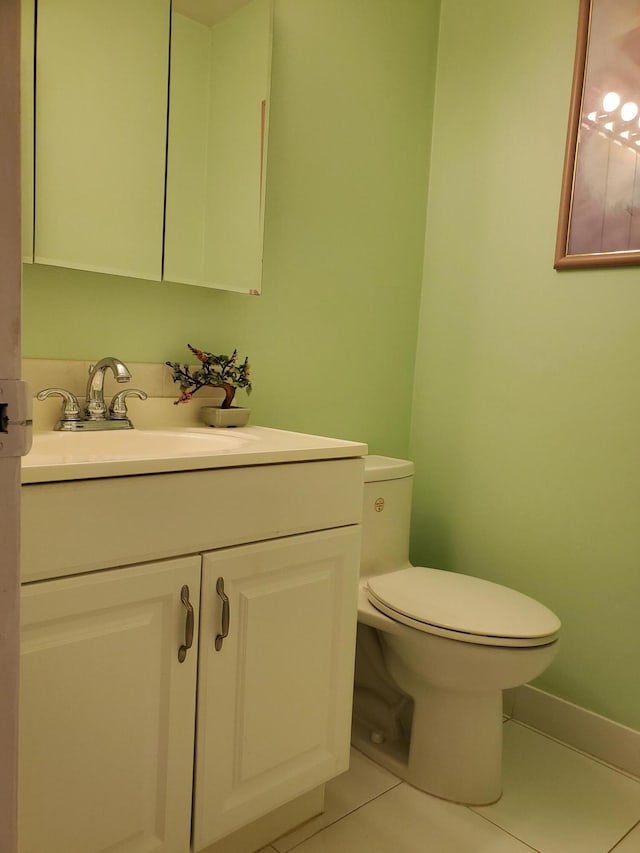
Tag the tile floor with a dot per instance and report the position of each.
(555, 800)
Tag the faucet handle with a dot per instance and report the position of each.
(70, 405)
(118, 406)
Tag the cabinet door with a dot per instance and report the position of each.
(107, 712)
(101, 115)
(274, 703)
(217, 145)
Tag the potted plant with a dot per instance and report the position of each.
(215, 371)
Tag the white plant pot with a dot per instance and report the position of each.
(235, 416)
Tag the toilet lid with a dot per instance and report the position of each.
(472, 609)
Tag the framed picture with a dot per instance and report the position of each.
(599, 223)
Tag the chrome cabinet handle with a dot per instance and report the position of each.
(188, 628)
(225, 614)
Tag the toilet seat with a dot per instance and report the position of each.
(463, 608)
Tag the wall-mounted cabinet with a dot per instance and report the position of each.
(150, 137)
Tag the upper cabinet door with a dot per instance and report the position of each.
(100, 143)
(217, 143)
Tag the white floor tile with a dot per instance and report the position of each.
(364, 781)
(404, 820)
(630, 843)
(558, 800)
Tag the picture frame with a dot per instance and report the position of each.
(599, 218)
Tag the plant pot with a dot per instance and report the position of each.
(235, 416)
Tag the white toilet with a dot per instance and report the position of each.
(435, 650)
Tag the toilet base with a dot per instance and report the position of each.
(455, 749)
(456, 745)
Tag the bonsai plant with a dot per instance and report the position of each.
(217, 371)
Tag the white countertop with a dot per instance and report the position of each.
(57, 456)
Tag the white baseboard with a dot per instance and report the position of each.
(584, 730)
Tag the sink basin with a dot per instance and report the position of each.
(59, 456)
(59, 448)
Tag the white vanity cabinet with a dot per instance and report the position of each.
(108, 711)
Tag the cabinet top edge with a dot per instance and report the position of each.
(57, 457)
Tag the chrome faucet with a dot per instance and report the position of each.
(95, 407)
(94, 414)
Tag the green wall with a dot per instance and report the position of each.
(526, 405)
(332, 338)
(526, 419)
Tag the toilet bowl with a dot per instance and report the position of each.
(435, 649)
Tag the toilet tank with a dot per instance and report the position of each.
(386, 515)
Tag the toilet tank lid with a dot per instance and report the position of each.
(377, 468)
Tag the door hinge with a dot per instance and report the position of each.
(15, 418)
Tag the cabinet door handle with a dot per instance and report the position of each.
(225, 614)
(188, 628)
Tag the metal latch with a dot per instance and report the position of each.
(15, 418)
